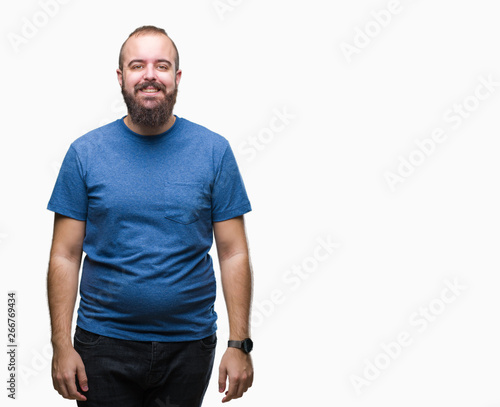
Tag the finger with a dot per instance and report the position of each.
(82, 377)
(222, 379)
(72, 391)
(251, 379)
(242, 385)
(65, 390)
(60, 384)
(232, 391)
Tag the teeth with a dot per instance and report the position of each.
(150, 90)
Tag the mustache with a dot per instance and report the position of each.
(145, 85)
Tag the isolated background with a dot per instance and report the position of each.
(321, 177)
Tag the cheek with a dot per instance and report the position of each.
(167, 80)
(130, 80)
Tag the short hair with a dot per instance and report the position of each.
(148, 29)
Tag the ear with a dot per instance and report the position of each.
(178, 75)
(119, 74)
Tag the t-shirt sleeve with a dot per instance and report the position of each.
(229, 196)
(69, 197)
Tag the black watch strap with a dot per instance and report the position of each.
(245, 345)
(235, 344)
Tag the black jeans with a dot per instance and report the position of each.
(124, 373)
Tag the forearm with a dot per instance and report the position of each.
(62, 286)
(237, 282)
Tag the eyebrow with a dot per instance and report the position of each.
(142, 61)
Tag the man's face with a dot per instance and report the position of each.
(148, 80)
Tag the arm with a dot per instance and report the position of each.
(236, 276)
(62, 285)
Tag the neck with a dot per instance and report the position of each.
(149, 131)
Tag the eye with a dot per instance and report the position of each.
(164, 67)
(136, 66)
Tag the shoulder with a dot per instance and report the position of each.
(96, 136)
(94, 144)
(201, 134)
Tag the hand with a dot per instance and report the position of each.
(237, 366)
(66, 363)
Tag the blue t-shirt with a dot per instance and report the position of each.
(149, 203)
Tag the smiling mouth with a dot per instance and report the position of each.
(150, 90)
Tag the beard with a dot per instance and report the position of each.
(152, 117)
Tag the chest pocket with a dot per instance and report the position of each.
(183, 201)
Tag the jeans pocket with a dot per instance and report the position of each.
(87, 338)
(209, 342)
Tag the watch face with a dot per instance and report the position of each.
(247, 345)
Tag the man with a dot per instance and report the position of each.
(142, 196)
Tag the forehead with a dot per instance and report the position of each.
(148, 47)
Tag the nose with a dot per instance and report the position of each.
(149, 73)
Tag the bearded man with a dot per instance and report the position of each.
(142, 197)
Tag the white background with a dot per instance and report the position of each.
(321, 176)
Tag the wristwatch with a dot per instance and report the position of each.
(246, 345)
